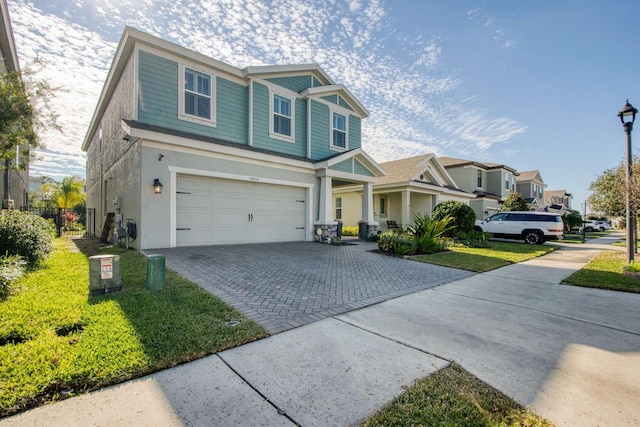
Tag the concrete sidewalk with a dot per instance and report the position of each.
(573, 354)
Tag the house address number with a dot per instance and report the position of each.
(254, 179)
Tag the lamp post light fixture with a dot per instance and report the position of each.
(157, 186)
(627, 117)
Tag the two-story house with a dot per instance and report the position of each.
(490, 182)
(557, 200)
(198, 152)
(531, 186)
(14, 184)
(411, 185)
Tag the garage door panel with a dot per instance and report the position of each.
(220, 211)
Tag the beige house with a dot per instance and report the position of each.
(531, 186)
(412, 185)
(558, 200)
(490, 182)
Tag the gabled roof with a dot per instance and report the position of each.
(366, 160)
(7, 42)
(340, 90)
(425, 168)
(451, 162)
(533, 175)
(270, 70)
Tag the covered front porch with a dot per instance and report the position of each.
(353, 169)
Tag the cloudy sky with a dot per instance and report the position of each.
(530, 84)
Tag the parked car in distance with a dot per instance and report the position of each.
(604, 225)
(533, 227)
(591, 226)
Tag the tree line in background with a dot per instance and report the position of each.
(609, 190)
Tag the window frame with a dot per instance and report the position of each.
(332, 129)
(383, 206)
(479, 178)
(182, 90)
(292, 104)
(338, 208)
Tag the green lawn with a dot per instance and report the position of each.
(56, 341)
(454, 397)
(605, 271)
(485, 259)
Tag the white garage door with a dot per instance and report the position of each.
(212, 211)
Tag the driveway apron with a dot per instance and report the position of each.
(285, 285)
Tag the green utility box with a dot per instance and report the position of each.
(104, 274)
(155, 272)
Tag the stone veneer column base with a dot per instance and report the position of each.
(372, 229)
(328, 234)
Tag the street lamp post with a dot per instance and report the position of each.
(627, 117)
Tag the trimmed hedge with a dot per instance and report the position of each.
(26, 235)
(464, 218)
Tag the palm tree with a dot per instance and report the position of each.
(69, 192)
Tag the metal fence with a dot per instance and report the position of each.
(68, 222)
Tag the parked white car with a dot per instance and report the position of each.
(533, 227)
(604, 225)
(590, 226)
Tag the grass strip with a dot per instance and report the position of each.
(605, 271)
(454, 397)
(479, 260)
(57, 341)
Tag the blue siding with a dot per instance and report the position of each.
(361, 170)
(345, 166)
(355, 138)
(261, 120)
(331, 98)
(320, 137)
(343, 103)
(316, 83)
(296, 83)
(158, 101)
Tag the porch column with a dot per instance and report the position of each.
(406, 208)
(325, 209)
(367, 203)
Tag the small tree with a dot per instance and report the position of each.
(69, 192)
(464, 218)
(24, 110)
(515, 202)
(571, 220)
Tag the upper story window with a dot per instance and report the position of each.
(197, 99)
(282, 113)
(479, 178)
(339, 131)
(506, 181)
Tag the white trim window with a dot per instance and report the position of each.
(339, 131)
(338, 207)
(282, 113)
(197, 96)
(383, 207)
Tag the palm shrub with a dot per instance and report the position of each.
(25, 235)
(423, 225)
(464, 218)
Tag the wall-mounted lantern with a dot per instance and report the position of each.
(157, 186)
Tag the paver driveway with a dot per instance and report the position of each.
(285, 285)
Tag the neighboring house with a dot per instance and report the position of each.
(412, 185)
(198, 152)
(558, 200)
(531, 186)
(490, 182)
(14, 184)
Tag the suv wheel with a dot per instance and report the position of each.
(589, 229)
(533, 237)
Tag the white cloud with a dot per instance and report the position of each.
(411, 99)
